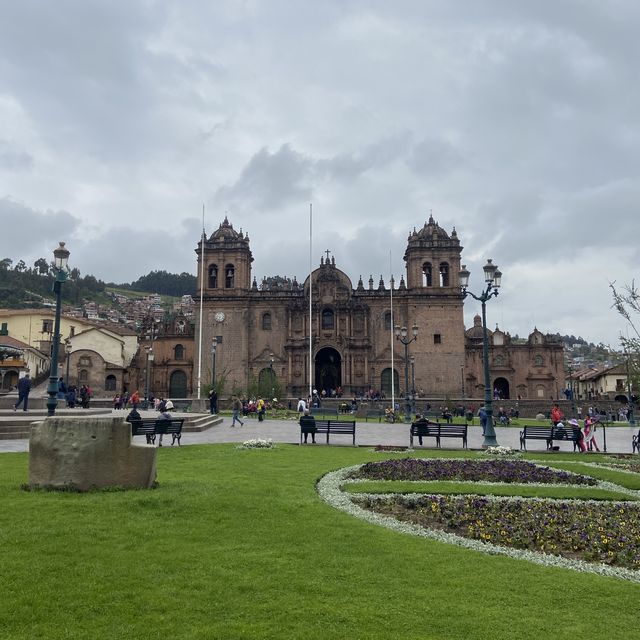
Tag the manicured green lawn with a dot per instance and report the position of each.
(236, 544)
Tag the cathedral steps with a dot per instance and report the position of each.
(17, 424)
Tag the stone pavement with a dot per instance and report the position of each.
(367, 434)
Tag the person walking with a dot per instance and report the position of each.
(482, 414)
(24, 387)
(236, 407)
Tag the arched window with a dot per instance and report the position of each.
(83, 378)
(178, 352)
(327, 319)
(110, 383)
(539, 361)
(387, 321)
(213, 276)
(427, 277)
(444, 274)
(266, 321)
(229, 276)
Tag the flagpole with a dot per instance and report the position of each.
(393, 385)
(310, 300)
(201, 298)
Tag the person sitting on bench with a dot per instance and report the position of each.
(165, 415)
(420, 421)
(308, 426)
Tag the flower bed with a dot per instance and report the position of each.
(509, 471)
(591, 531)
(586, 535)
(257, 443)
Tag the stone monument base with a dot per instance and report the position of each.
(88, 453)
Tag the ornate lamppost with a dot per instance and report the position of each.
(214, 345)
(271, 374)
(412, 359)
(150, 357)
(492, 278)
(632, 420)
(60, 262)
(401, 334)
(571, 391)
(67, 350)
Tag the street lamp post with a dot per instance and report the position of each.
(150, 357)
(412, 359)
(492, 278)
(573, 401)
(60, 261)
(401, 334)
(632, 420)
(214, 344)
(271, 374)
(67, 349)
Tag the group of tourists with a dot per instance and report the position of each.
(584, 437)
(74, 396)
(164, 407)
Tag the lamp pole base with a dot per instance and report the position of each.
(489, 441)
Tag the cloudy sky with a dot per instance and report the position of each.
(515, 122)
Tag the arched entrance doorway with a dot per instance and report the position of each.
(501, 389)
(178, 384)
(328, 370)
(385, 382)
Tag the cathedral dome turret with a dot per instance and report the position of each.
(226, 233)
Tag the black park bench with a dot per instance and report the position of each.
(438, 431)
(334, 427)
(152, 427)
(549, 434)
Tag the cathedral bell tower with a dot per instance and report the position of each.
(227, 261)
(433, 260)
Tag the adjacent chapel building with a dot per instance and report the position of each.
(263, 330)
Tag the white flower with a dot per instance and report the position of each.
(257, 443)
(500, 450)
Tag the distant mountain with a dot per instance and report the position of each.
(24, 286)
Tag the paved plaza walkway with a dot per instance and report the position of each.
(367, 434)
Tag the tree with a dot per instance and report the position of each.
(626, 302)
(20, 267)
(5, 264)
(42, 266)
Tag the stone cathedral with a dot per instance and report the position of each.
(263, 330)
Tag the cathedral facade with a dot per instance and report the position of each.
(344, 338)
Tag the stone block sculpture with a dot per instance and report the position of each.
(85, 453)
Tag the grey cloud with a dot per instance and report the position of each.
(271, 180)
(434, 157)
(27, 233)
(14, 159)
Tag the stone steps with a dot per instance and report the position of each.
(17, 424)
